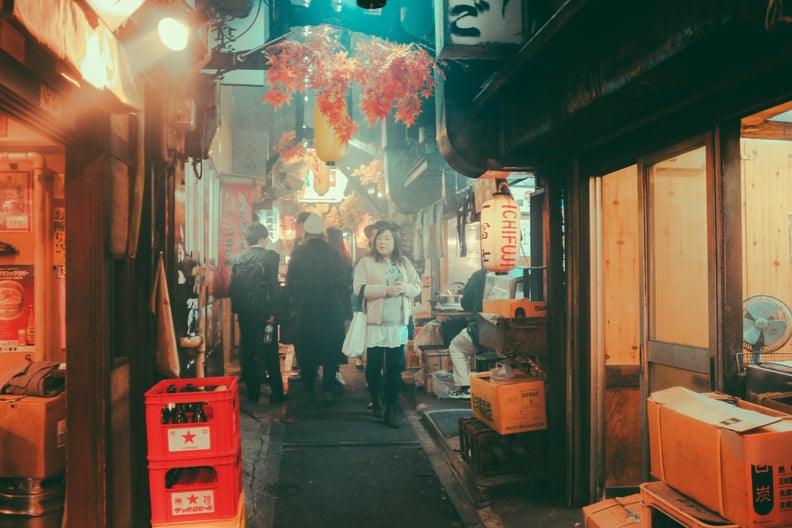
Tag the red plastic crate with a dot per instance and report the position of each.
(219, 435)
(195, 490)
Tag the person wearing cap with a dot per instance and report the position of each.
(317, 288)
(389, 283)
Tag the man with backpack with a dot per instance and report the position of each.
(255, 298)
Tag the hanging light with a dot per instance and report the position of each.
(321, 180)
(500, 230)
(329, 147)
(288, 227)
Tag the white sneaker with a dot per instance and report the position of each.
(340, 379)
(460, 394)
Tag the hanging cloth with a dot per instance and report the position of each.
(439, 231)
(36, 378)
(167, 352)
(426, 237)
(417, 241)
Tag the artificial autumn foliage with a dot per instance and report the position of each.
(391, 77)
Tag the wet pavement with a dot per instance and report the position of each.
(306, 465)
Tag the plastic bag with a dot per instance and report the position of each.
(442, 383)
(503, 371)
(355, 340)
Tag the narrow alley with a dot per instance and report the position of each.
(306, 465)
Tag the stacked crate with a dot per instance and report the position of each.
(490, 453)
(194, 453)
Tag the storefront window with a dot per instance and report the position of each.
(766, 154)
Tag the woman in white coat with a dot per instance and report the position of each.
(390, 283)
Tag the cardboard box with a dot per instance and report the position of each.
(511, 406)
(613, 513)
(434, 358)
(32, 436)
(515, 308)
(733, 458)
(412, 358)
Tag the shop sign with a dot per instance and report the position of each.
(477, 28)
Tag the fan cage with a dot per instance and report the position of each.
(758, 353)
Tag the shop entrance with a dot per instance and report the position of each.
(652, 301)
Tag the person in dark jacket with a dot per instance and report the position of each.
(317, 285)
(298, 241)
(256, 312)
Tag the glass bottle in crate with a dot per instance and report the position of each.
(30, 327)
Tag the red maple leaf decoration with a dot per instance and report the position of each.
(391, 77)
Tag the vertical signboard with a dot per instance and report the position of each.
(236, 213)
(15, 201)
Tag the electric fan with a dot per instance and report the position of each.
(767, 324)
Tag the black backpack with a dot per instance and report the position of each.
(252, 290)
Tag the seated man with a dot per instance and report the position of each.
(463, 347)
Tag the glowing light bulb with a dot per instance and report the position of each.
(173, 33)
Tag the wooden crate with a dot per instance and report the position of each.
(664, 507)
(489, 453)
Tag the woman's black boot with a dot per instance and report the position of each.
(390, 417)
(376, 406)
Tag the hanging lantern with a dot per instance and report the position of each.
(288, 227)
(329, 147)
(321, 179)
(500, 230)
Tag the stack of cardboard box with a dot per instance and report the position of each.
(33, 440)
(719, 460)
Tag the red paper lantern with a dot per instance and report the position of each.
(288, 227)
(322, 180)
(500, 231)
(329, 147)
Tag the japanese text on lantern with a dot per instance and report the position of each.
(501, 237)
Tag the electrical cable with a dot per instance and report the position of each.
(252, 23)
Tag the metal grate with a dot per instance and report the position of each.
(781, 361)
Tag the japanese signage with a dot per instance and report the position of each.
(15, 201)
(16, 308)
(477, 28)
(236, 213)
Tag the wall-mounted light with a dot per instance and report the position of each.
(371, 4)
(173, 33)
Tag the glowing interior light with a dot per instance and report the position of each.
(173, 33)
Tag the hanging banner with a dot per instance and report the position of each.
(17, 330)
(236, 213)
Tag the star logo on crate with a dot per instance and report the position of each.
(188, 437)
(193, 499)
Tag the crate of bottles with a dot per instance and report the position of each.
(192, 418)
(490, 453)
(235, 522)
(202, 489)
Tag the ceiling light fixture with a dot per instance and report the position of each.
(371, 4)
